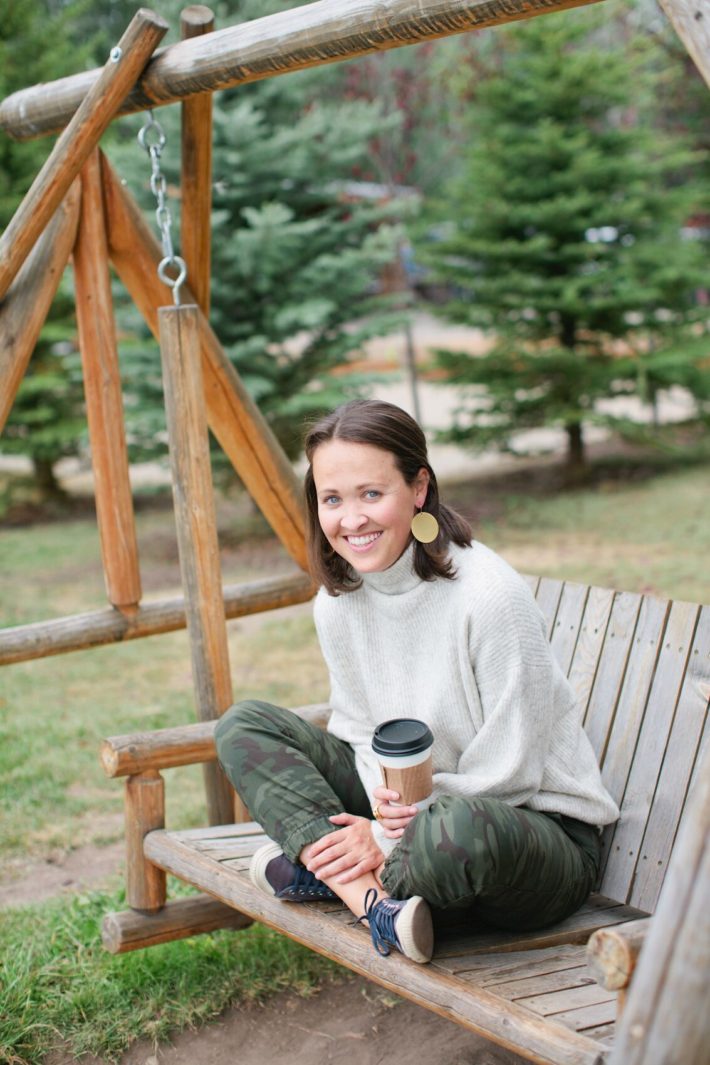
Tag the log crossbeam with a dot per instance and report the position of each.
(307, 36)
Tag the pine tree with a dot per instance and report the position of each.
(46, 421)
(562, 238)
(295, 255)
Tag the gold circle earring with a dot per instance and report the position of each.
(425, 527)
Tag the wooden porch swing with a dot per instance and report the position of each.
(640, 666)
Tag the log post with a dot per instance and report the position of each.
(145, 811)
(81, 136)
(104, 402)
(234, 418)
(196, 523)
(25, 307)
(667, 1014)
(196, 209)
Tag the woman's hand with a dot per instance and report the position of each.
(346, 854)
(394, 819)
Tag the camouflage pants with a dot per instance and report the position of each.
(514, 867)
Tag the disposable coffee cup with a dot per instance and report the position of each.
(403, 748)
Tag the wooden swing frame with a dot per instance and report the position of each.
(77, 208)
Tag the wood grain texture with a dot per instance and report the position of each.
(144, 812)
(625, 854)
(681, 755)
(25, 307)
(178, 919)
(585, 659)
(647, 644)
(667, 1015)
(691, 21)
(479, 1009)
(612, 953)
(233, 417)
(77, 141)
(196, 171)
(547, 597)
(196, 525)
(98, 627)
(568, 623)
(183, 745)
(307, 36)
(610, 669)
(104, 401)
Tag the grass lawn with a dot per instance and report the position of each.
(652, 534)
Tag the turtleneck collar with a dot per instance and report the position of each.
(399, 578)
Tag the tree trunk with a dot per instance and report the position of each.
(576, 466)
(45, 479)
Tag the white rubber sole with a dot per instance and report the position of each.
(257, 866)
(415, 930)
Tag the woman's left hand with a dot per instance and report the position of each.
(346, 854)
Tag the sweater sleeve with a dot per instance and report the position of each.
(522, 694)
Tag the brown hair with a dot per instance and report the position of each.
(383, 425)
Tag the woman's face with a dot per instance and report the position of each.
(365, 507)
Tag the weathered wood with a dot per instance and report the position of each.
(233, 417)
(77, 141)
(25, 307)
(478, 1009)
(547, 597)
(183, 745)
(691, 21)
(178, 919)
(667, 1015)
(568, 623)
(585, 660)
(611, 666)
(625, 853)
(612, 953)
(196, 524)
(98, 627)
(678, 762)
(648, 641)
(196, 172)
(145, 812)
(104, 401)
(307, 36)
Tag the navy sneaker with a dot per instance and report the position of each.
(401, 923)
(271, 871)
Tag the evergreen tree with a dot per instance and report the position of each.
(563, 238)
(296, 255)
(46, 421)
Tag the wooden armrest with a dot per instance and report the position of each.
(164, 748)
(612, 953)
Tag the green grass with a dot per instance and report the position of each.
(58, 985)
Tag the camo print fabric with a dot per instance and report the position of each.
(515, 868)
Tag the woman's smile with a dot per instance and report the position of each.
(365, 506)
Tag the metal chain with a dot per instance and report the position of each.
(152, 139)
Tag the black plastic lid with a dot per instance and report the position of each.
(402, 736)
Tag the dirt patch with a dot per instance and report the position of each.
(61, 872)
(350, 1022)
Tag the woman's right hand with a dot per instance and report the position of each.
(394, 819)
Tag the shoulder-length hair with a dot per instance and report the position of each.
(382, 425)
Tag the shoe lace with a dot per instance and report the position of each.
(380, 915)
(305, 883)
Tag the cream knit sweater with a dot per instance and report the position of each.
(470, 657)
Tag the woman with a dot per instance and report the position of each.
(446, 632)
